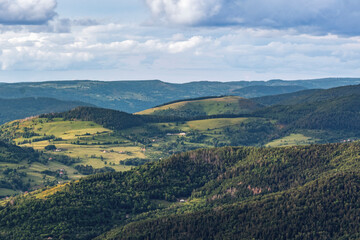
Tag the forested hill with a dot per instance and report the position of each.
(12, 109)
(259, 91)
(134, 96)
(309, 96)
(284, 98)
(337, 113)
(108, 118)
(309, 192)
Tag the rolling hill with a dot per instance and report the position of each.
(12, 109)
(185, 188)
(103, 139)
(309, 96)
(309, 192)
(135, 96)
(336, 109)
(207, 106)
(283, 99)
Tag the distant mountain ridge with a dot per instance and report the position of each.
(134, 96)
(12, 109)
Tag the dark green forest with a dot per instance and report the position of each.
(308, 192)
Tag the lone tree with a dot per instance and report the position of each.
(50, 147)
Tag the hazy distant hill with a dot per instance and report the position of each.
(134, 96)
(11, 109)
(205, 107)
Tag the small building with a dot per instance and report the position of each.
(182, 200)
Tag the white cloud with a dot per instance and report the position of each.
(87, 46)
(14, 12)
(199, 54)
(184, 11)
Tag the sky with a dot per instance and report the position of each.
(178, 40)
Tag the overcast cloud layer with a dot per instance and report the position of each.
(317, 16)
(179, 41)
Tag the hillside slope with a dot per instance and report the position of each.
(205, 107)
(23, 169)
(338, 113)
(307, 192)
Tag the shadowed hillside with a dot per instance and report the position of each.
(243, 192)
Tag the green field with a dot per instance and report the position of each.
(210, 124)
(92, 143)
(292, 140)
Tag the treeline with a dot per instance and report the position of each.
(117, 120)
(108, 118)
(10, 153)
(190, 99)
(89, 170)
(134, 161)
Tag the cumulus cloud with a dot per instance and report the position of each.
(316, 16)
(100, 46)
(18, 12)
(184, 11)
(199, 54)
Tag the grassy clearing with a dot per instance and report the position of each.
(199, 125)
(7, 192)
(43, 193)
(211, 106)
(292, 140)
(210, 124)
(169, 106)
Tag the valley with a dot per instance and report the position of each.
(163, 172)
